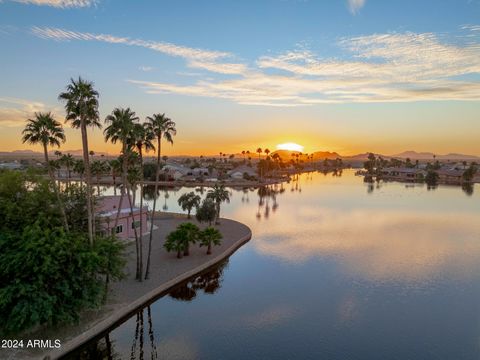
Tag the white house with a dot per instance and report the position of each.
(238, 172)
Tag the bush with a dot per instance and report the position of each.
(207, 212)
(48, 275)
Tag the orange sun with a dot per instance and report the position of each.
(290, 146)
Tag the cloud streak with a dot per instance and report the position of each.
(62, 4)
(391, 67)
(14, 112)
(354, 6)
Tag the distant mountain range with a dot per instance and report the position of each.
(429, 156)
(284, 154)
(413, 155)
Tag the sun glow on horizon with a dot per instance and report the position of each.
(290, 146)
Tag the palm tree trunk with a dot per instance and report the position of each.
(68, 175)
(209, 249)
(157, 178)
(124, 183)
(151, 334)
(114, 184)
(88, 175)
(139, 275)
(141, 213)
(217, 220)
(55, 189)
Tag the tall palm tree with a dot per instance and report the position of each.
(121, 126)
(68, 161)
(188, 201)
(81, 106)
(259, 152)
(98, 168)
(115, 169)
(163, 128)
(79, 168)
(218, 194)
(58, 163)
(141, 139)
(45, 130)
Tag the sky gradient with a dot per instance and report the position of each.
(346, 76)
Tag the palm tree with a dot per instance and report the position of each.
(190, 235)
(69, 162)
(259, 151)
(58, 154)
(98, 168)
(162, 127)
(121, 126)
(188, 201)
(79, 168)
(218, 194)
(45, 130)
(175, 242)
(81, 106)
(115, 169)
(208, 237)
(141, 139)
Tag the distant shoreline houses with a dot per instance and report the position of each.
(445, 174)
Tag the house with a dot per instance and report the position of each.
(11, 166)
(175, 171)
(450, 176)
(238, 172)
(403, 174)
(200, 171)
(107, 209)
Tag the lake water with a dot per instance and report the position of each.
(336, 269)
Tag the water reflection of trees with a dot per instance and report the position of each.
(468, 188)
(209, 281)
(104, 348)
(267, 199)
(101, 349)
(138, 346)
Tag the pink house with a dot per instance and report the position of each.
(107, 209)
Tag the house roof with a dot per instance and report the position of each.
(242, 169)
(404, 170)
(450, 172)
(108, 206)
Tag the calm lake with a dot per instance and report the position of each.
(336, 269)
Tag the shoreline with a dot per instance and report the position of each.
(183, 183)
(128, 296)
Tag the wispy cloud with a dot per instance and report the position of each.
(354, 6)
(145, 68)
(160, 46)
(63, 4)
(14, 112)
(374, 68)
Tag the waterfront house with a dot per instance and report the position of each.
(107, 209)
(238, 172)
(450, 176)
(199, 171)
(175, 171)
(403, 174)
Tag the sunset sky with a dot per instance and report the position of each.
(346, 76)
